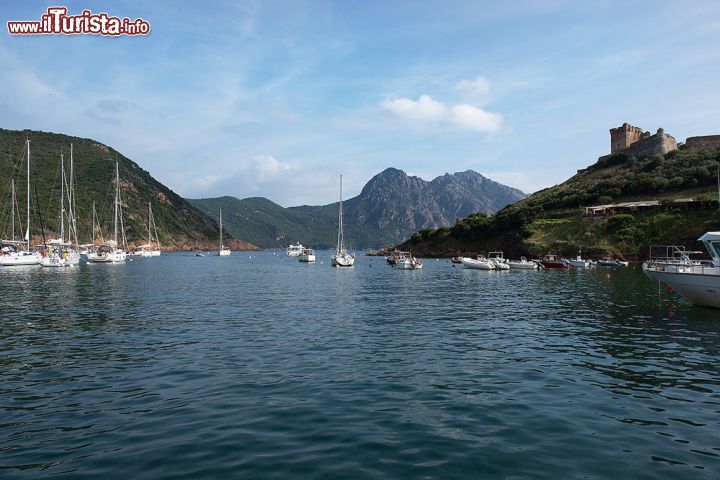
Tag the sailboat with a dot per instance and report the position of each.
(109, 252)
(60, 253)
(223, 251)
(147, 250)
(341, 257)
(11, 256)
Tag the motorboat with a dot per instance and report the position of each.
(396, 256)
(523, 264)
(579, 262)
(54, 258)
(341, 257)
(551, 260)
(294, 250)
(199, 254)
(498, 260)
(479, 263)
(307, 255)
(409, 263)
(697, 281)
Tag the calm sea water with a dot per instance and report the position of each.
(257, 366)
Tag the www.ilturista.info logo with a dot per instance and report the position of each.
(57, 22)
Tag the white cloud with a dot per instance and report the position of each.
(268, 167)
(475, 118)
(477, 86)
(425, 110)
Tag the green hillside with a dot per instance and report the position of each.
(554, 218)
(178, 222)
(265, 223)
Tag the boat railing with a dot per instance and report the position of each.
(676, 259)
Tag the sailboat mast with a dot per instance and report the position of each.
(341, 235)
(221, 243)
(117, 191)
(62, 198)
(71, 198)
(27, 234)
(94, 215)
(149, 220)
(12, 207)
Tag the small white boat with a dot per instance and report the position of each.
(579, 262)
(294, 250)
(523, 264)
(223, 251)
(498, 260)
(341, 257)
(479, 263)
(199, 254)
(307, 255)
(612, 262)
(695, 280)
(409, 263)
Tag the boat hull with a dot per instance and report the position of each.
(19, 259)
(477, 264)
(700, 289)
(117, 256)
(306, 258)
(523, 265)
(555, 265)
(342, 260)
(224, 253)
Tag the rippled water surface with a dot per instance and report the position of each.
(257, 366)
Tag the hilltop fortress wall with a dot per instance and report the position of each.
(631, 140)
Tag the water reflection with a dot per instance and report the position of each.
(182, 366)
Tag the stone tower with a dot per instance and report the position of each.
(624, 136)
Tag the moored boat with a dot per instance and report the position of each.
(409, 263)
(223, 251)
(479, 263)
(294, 250)
(523, 264)
(341, 257)
(307, 255)
(109, 252)
(498, 259)
(579, 262)
(697, 281)
(550, 260)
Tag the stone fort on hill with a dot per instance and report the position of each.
(631, 140)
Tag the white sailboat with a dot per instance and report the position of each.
(109, 252)
(223, 250)
(11, 256)
(60, 252)
(341, 257)
(147, 250)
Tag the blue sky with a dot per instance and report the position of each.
(275, 99)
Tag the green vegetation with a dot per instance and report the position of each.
(177, 221)
(552, 219)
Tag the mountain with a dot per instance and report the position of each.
(180, 225)
(389, 208)
(678, 192)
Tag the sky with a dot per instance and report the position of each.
(277, 98)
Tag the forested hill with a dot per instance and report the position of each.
(179, 223)
(555, 218)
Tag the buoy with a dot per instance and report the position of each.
(668, 288)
